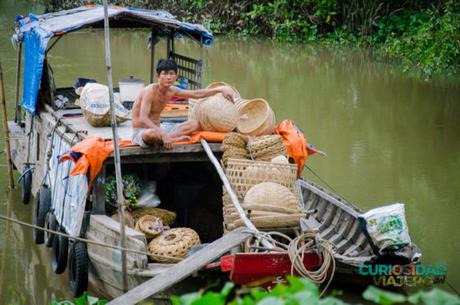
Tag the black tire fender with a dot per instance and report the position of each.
(78, 268)
(50, 224)
(41, 208)
(26, 183)
(59, 252)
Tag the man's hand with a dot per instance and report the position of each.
(228, 93)
(167, 141)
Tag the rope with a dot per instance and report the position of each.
(296, 249)
(88, 241)
(310, 242)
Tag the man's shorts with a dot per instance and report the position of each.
(138, 132)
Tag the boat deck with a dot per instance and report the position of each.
(78, 125)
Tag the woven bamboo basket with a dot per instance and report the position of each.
(235, 139)
(270, 193)
(265, 148)
(166, 216)
(150, 225)
(220, 84)
(174, 243)
(242, 179)
(192, 103)
(221, 113)
(287, 221)
(256, 118)
(240, 103)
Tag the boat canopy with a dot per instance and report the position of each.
(37, 30)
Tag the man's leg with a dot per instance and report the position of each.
(152, 137)
(185, 129)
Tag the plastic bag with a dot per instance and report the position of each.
(148, 198)
(94, 101)
(387, 227)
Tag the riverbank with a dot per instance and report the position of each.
(421, 35)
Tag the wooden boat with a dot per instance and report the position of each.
(186, 181)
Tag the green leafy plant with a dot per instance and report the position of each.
(299, 291)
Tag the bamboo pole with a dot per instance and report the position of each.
(6, 132)
(120, 197)
(5, 248)
(232, 194)
(152, 54)
(17, 108)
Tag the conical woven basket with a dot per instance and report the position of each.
(256, 118)
(269, 193)
(173, 243)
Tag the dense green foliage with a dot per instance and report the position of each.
(423, 35)
(298, 291)
(301, 291)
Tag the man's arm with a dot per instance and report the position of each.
(228, 92)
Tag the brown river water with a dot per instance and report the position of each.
(388, 137)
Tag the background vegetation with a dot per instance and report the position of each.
(423, 35)
(298, 291)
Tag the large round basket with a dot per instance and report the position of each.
(216, 113)
(256, 118)
(173, 245)
(220, 84)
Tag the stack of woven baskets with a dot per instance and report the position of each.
(215, 113)
(263, 148)
(267, 192)
(166, 245)
(234, 146)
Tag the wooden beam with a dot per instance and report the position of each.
(120, 197)
(184, 268)
(6, 132)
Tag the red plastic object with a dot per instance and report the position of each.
(262, 269)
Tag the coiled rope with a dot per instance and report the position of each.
(296, 249)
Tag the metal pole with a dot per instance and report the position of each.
(17, 107)
(120, 197)
(6, 132)
(152, 54)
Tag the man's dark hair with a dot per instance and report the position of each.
(166, 65)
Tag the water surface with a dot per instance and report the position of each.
(389, 138)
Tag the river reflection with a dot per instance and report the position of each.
(389, 138)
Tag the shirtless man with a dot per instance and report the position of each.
(152, 100)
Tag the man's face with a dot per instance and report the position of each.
(167, 78)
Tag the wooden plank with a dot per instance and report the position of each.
(184, 268)
(188, 148)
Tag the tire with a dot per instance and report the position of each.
(78, 268)
(41, 208)
(26, 183)
(59, 253)
(50, 224)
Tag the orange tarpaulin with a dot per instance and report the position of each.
(90, 154)
(210, 136)
(295, 143)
